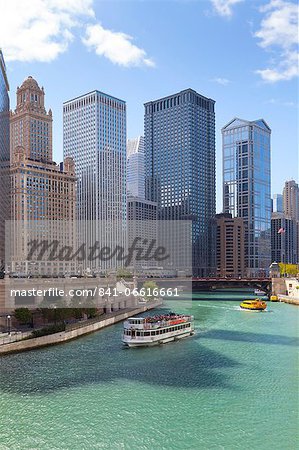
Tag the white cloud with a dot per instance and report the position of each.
(224, 7)
(222, 81)
(115, 46)
(275, 101)
(279, 33)
(41, 30)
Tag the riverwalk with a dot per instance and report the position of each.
(14, 336)
(75, 331)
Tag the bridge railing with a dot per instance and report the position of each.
(232, 279)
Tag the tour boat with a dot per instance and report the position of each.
(154, 330)
(259, 292)
(253, 305)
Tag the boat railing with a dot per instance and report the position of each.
(158, 324)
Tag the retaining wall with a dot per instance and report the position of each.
(291, 300)
(64, 336)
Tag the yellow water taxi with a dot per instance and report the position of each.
(253, 305)
(274, 298)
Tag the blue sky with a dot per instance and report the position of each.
(241, 53)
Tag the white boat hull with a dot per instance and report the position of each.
(156, 340)
(259, 293)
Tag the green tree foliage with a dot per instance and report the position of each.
(23, 316)
(289, 269)
(149, 287)
(91, 312)
(124, 273)
(48, 330)
(61, 310)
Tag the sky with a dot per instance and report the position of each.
(241, 53)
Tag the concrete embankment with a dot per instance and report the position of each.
(65, 336)
(286, 289)
(286, 299)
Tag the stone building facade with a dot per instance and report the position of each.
(230, 247)
(42, 192)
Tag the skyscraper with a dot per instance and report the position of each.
(277, 203)
(247, 187)
(291, 200)
(284, 239)
(4, 156)
(4, 111)
(94, 135)
(291, 213)
(135, 167)
(135, 145)
(142, 224)
(42, 192)
(230, 246)
(180, 167)
(30, 123)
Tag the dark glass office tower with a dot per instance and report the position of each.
(247, 187)
(4, 156)
(284, 239)
(4, 111)
(180, 167)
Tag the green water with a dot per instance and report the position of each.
(234, 385)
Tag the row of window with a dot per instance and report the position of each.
(33, 97)
(181, 98)
(139, 333)
(91, 100)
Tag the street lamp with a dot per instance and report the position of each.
(55, 317)
(8, 324)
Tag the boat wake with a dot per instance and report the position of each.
(255, 311)
(230, 308)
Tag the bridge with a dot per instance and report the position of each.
(212, 283)
(264, 283)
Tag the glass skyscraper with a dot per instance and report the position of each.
(247, 187)
(180, 167)
(94, 135)
(277, 203)
(4, 111)
(4, 156)
(135, 168)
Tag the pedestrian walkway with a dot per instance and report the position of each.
(14, 336)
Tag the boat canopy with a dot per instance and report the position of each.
(135, 320)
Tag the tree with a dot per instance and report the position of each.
(58, 311)
(23, 316)
(289, 269)
(89, 308)
(123, 273)
(149, 287)
(76, 307)
(90, 312)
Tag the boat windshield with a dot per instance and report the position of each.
(136, 320)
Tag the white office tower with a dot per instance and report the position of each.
(94, 134)
(135, 168)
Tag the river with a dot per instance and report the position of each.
(234, 385)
